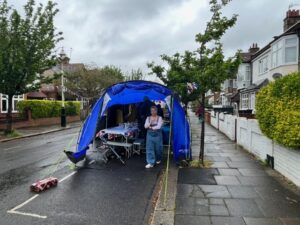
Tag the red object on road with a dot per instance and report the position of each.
(45, 184)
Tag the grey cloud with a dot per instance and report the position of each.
(130, 33)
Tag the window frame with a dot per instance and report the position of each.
(244, 101)
(15, 98)
(263, 64)
(4, 98)
(282, 45)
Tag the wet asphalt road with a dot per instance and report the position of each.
(96, 194)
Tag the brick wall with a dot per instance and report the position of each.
(40, 122)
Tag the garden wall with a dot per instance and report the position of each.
(248, 135)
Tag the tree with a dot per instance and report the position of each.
(26, 48)
(206, 66)
(90, 82)
(180, 72)
(135, 75)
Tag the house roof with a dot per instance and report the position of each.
(246, 57)
(292, 30)
(235, 97)
(256, 86)
(36, 94)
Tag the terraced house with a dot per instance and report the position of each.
(260, 66)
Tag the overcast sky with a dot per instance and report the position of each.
(130, 33)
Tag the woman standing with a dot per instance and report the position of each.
(154, 141)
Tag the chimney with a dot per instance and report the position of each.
(254, 48)
(292, 17)
(63, 57)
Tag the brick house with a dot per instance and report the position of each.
(47, 91)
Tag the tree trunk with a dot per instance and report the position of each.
(201, 155)
(9, 121)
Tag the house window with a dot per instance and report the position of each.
(4, 102)
(263, 65)
(244, 101)
(291, 50)
(16, 99)
(252, 101)
(277, 54)
(247, 73)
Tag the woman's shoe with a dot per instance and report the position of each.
(148, 166)
(158, 162)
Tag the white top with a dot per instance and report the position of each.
(155, 125)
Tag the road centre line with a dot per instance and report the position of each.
(13, 211)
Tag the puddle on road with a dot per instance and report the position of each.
(15, 177)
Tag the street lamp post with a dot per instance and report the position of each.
(63, 110)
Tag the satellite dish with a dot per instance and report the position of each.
(277, 76)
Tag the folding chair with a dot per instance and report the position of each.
(110, 147)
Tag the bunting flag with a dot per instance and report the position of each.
(191, 87)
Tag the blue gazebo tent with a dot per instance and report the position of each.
(131, 92)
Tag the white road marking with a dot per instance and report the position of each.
(13, 211)
(25, 203)
(27, 214)
(66, 177)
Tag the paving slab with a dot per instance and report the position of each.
(218, 220)
(252, 172)
(219, 165)
(189, 190)
(229, 172)
(218, 210)
(239, 165)
(239, 158)
(243, 207)
(290, 221)
(257, 181)
(243, 192)
(278, 208)
(216, 201)
(192, 206)
(192, 220)
(197, 176)
(262, 221)
(227, 180)
(217, 158)
(215, 191)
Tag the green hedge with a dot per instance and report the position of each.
(47, 108)
(278, 110)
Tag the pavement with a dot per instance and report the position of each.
(236, 190)
(92, 193)
(33, 131)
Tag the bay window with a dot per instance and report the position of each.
(15, 100)
(291, 50)
(245, 101)
(263, 65)
(285, 51)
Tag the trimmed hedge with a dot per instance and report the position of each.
(48, 108)
(278, 110)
